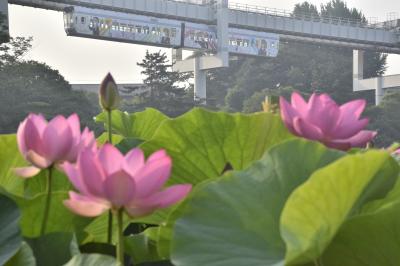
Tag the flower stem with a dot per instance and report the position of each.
(109, 129)
(318, 262)
(48, 201)
(110, 227)
(120, 244)
(110, 215)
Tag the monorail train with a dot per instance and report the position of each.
(122, 27)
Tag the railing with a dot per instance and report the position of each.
(298, 15)
(195, 2)
(304, 16)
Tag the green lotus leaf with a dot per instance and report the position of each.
(60, 218)
(92, 260)
(368, 239)
(141, 125)
(204, 143)
(315, 212)
(10, 234)
(24, 257)
(51, 249)
(235, 219)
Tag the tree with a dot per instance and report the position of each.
(14, 51)
(169, 91)
(29, 86)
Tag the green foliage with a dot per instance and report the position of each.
(236, 217)
(140, 125)
(203, 143)
(10, 234)
(142, 247)
(14, 51)
(52, 249)
(9, 159)
(301, 203)
(316, 210)
(24, 257)
(92, 260)
(60, 218)
(13, 184)
(367, 239)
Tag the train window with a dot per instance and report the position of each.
(173, 32)
(125, 28)
(115, 26)
(83, 20)
(146, 30)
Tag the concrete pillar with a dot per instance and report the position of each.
(4, 33)
(222, 17)
(200, 83)
(358, 64)
(176, 55)
(379, 91)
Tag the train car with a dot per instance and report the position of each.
(200, 37)
(253, 43)
(204, 37)
(116, 26)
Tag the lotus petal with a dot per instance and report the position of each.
(27, 172)
(85, 206)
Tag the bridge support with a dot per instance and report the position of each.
(200, 83)
(201, 64)
(4, 33)
(378, 84)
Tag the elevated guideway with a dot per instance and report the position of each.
(356, 34)
(359, 35)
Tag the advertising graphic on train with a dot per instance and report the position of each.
(197, 36)
(253, 43)
(134, 28)
(204, 37)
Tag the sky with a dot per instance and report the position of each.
(82, 60)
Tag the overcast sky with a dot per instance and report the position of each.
(83, 60)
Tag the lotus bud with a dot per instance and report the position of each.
(109, 95)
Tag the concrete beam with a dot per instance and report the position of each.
(204, 63)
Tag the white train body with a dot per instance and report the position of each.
(117, 26)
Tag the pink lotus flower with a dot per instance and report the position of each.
(108, 180)
(321, 119)
(397, 152)
(44, 143)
